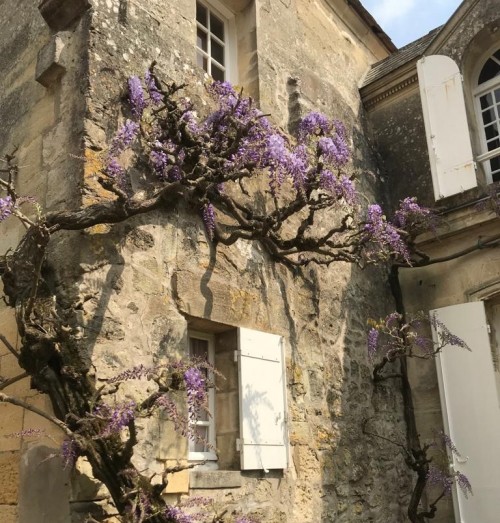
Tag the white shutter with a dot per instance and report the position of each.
(447, 130)
(263, 432)
(471, 411)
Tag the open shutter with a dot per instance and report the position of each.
(263, 433)
(471, 411)
(446, 127)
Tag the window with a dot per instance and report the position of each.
(215, 42)
(202, 447)
(248, 421)
(487, 99)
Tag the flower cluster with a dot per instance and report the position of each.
(393, 338)
(209, 219)
(438, 478)
(414, 218)
(445, 336)
(383, 235)
(135, 373)
(7, 206)
(178, 515)
(116, 418)
(69, 452)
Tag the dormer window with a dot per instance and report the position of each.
(487, 94)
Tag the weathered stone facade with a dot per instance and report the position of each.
(397, 122)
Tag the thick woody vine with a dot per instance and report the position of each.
(247, 181)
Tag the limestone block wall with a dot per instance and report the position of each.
(41, 115)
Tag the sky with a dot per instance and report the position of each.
(406, 20)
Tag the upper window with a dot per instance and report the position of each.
(487, 94)
(213, 40)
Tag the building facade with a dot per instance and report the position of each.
(150, 288)
(434, 110)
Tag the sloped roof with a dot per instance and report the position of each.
(400, 57)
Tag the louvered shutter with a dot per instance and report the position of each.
(263, 428)
(470, 403)
(447, 130)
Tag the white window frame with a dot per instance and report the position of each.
(230, 43)
(211, 454)
(477, 92)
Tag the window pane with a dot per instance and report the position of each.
(497, 54)
(201, 39)
(495, 168)
(489, 116)
(201, 61)
(497, 95)
(217, 73)
(200, 441)
(486, 100)
(494, 144)
(491, 131)
(490, 70)
(201, 14)
(217, 52)
(217, 27)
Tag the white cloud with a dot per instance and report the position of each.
(387, 11)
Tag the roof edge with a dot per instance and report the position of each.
(365, 15)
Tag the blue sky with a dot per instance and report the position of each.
(407, 20)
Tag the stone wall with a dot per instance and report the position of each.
(144, 282)
(41, 111)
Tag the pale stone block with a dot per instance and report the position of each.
(215, 479)
(8, 514)
(172, 444)
(9, 472)
(178, 482)
(10, 368)
(44, 487)
(49, 67)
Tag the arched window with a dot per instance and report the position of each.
(487, 95)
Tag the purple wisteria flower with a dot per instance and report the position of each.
(176, 514)
(136, 96)
(69, 452)
(245, 519)
(448, 442)
(135, 373)
(372, 342)
(114, 170)
(7, 206)
(445, 336)
(334, 150)
(437, 478)
(383, 234)
(159, 161)
(26, 433)
(463, 483)
(314, 124)
(168, 406)
(124, 137)
(117, 417)
(208, 215)
(414, 218)
(153, 91)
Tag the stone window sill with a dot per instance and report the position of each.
(214, 479)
